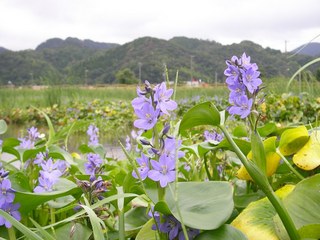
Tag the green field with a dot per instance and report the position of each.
(63, 95)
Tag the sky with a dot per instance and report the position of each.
(278, 24)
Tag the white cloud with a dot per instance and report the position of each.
(25, 24)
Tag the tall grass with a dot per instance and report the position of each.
(63, 95)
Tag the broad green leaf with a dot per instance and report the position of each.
(202, 114)
(73, 231)
(10, 142)
(303, 203)
(267, 129)
(146, 232)
(3, 126)
(240, 131)
(135, 218)
(292, 140)
(25, 230)
(53, 149)
(203, 205)
(31, 153)
(225, 232)
(162, 207)
(256, 221)
(310, 231)
(30, 200)
(308, 157)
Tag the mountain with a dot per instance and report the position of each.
(310, 49)
(2, 49)
(57, 43)
(74, 61)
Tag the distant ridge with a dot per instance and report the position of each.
(55, 43)
(75, 61)
(2, 49)
(310, 49)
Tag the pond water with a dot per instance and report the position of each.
(109, 141)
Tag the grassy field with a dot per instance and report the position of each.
(62, 95)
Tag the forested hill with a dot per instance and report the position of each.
(75, 61)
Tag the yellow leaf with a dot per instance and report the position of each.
(292, 140)
(308, 157)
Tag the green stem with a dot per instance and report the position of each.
(52, 215)
(261, 180)
(289, 165)
(121, 226)
(12, 234)
(206, 167)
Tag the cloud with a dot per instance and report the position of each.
(25, 24)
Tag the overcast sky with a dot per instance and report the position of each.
(24, 24)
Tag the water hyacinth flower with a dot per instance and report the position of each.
(148, 117)
(162, 98)
(212, 136)
(93, 165)
(244, 84)
(12, 209)
(93, 133)
(28, 142)
(163, 171)
(144, 167)
(6, 193)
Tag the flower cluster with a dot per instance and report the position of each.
(28, 142)
(149, 106)
(151, 103)
(93, 165)
(212, 136)
(93, 133)
(173, 228)
(243, 82)
(6, 199)
(50, 172)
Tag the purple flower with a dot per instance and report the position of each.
(33, 133)
(162, 98)
(11, 209)
(163, 171)
(50, 171)
(170, 148)
(40, 158)
(6, 193)
(93, 133)
(242, 107)
(45, 185)
(148, 117)
(171, 226)
(139, 101)
(212, 136)
(128, 143)
(251, 79)
(29, 141)
(93, 164)
(144, 167)
(1, 141)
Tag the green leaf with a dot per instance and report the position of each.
(222, 233)
(25, 230)
(31, 153)
(3, 126)
(267, 129)
(73, 231)
(258, 152)
(42, 231)
(310, 231)
(202, 114)
(203, 205)
(146, 232)
(96, 223)
(30, 200)
(303, 203)
(257, 220)
(292, 140)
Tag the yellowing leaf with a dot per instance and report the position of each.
(292, 140)
(308, 157)
(272, 159)
(256, 221)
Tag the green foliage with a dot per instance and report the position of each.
(126, 76)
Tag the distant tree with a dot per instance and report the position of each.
(126, 76)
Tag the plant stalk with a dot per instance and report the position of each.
(12, 234)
